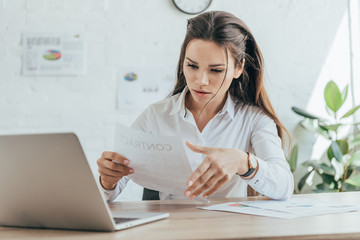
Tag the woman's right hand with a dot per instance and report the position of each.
(112, 167)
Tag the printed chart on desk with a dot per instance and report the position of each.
(292, 208)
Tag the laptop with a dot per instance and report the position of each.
(46, 182)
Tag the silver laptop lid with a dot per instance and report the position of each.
(46, 181)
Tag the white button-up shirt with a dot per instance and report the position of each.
(237, 125)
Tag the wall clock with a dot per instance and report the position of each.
(192, 6)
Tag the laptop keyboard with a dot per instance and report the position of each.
(122, 220)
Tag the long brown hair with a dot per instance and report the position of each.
(232, 34)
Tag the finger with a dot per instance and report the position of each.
(216, 187)
(114, 156)
(113, 166)
(108, 178)
(113, 173)
(197, 148)
(210, 183)
(202, 180)
(199, 171)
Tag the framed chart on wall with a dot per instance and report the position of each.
(137, 87)
(53, 54)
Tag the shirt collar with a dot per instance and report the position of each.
(179, 105)
(229, 106)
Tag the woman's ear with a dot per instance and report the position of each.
(239, 69)
(238, 72)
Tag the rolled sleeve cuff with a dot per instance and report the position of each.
(258, 181)
(110, 194)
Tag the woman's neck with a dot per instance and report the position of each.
(203, 113)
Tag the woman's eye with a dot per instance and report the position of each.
(193, 66)
(217, 70)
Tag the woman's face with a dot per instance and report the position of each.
(204, 69)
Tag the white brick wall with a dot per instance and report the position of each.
(295, 37)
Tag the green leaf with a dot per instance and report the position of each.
(355, 142)
(312, 125)
(327, 169)
(320, 167)
(333, 127)
(322, 187)
(293, 158)
(344, 145)
(304, 113)
(348, 174)
(309, 124)
(355, 181)
(328, 179)
(354, 167)
(345, 93)
(348, 187)
(351, 112)
(333, 97)
(339, 169)
(337, 149)
(355, 159)
(303, 180)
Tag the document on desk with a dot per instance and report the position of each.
(292, 208)
(160, 163)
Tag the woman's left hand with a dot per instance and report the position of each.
(217, 168)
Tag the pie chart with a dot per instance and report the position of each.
(130, 76)
(52, 55)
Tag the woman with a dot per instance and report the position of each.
(219, 104)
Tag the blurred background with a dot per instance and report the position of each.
(120, 55)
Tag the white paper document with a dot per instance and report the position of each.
(160, 163)
(292, 208)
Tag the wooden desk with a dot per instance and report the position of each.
(186, 221)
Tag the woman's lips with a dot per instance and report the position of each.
(201, 93)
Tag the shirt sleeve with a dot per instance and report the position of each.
(112, 194)
(273, 178)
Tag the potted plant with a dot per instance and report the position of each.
(340, 170)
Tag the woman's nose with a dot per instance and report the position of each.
(203, 78)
